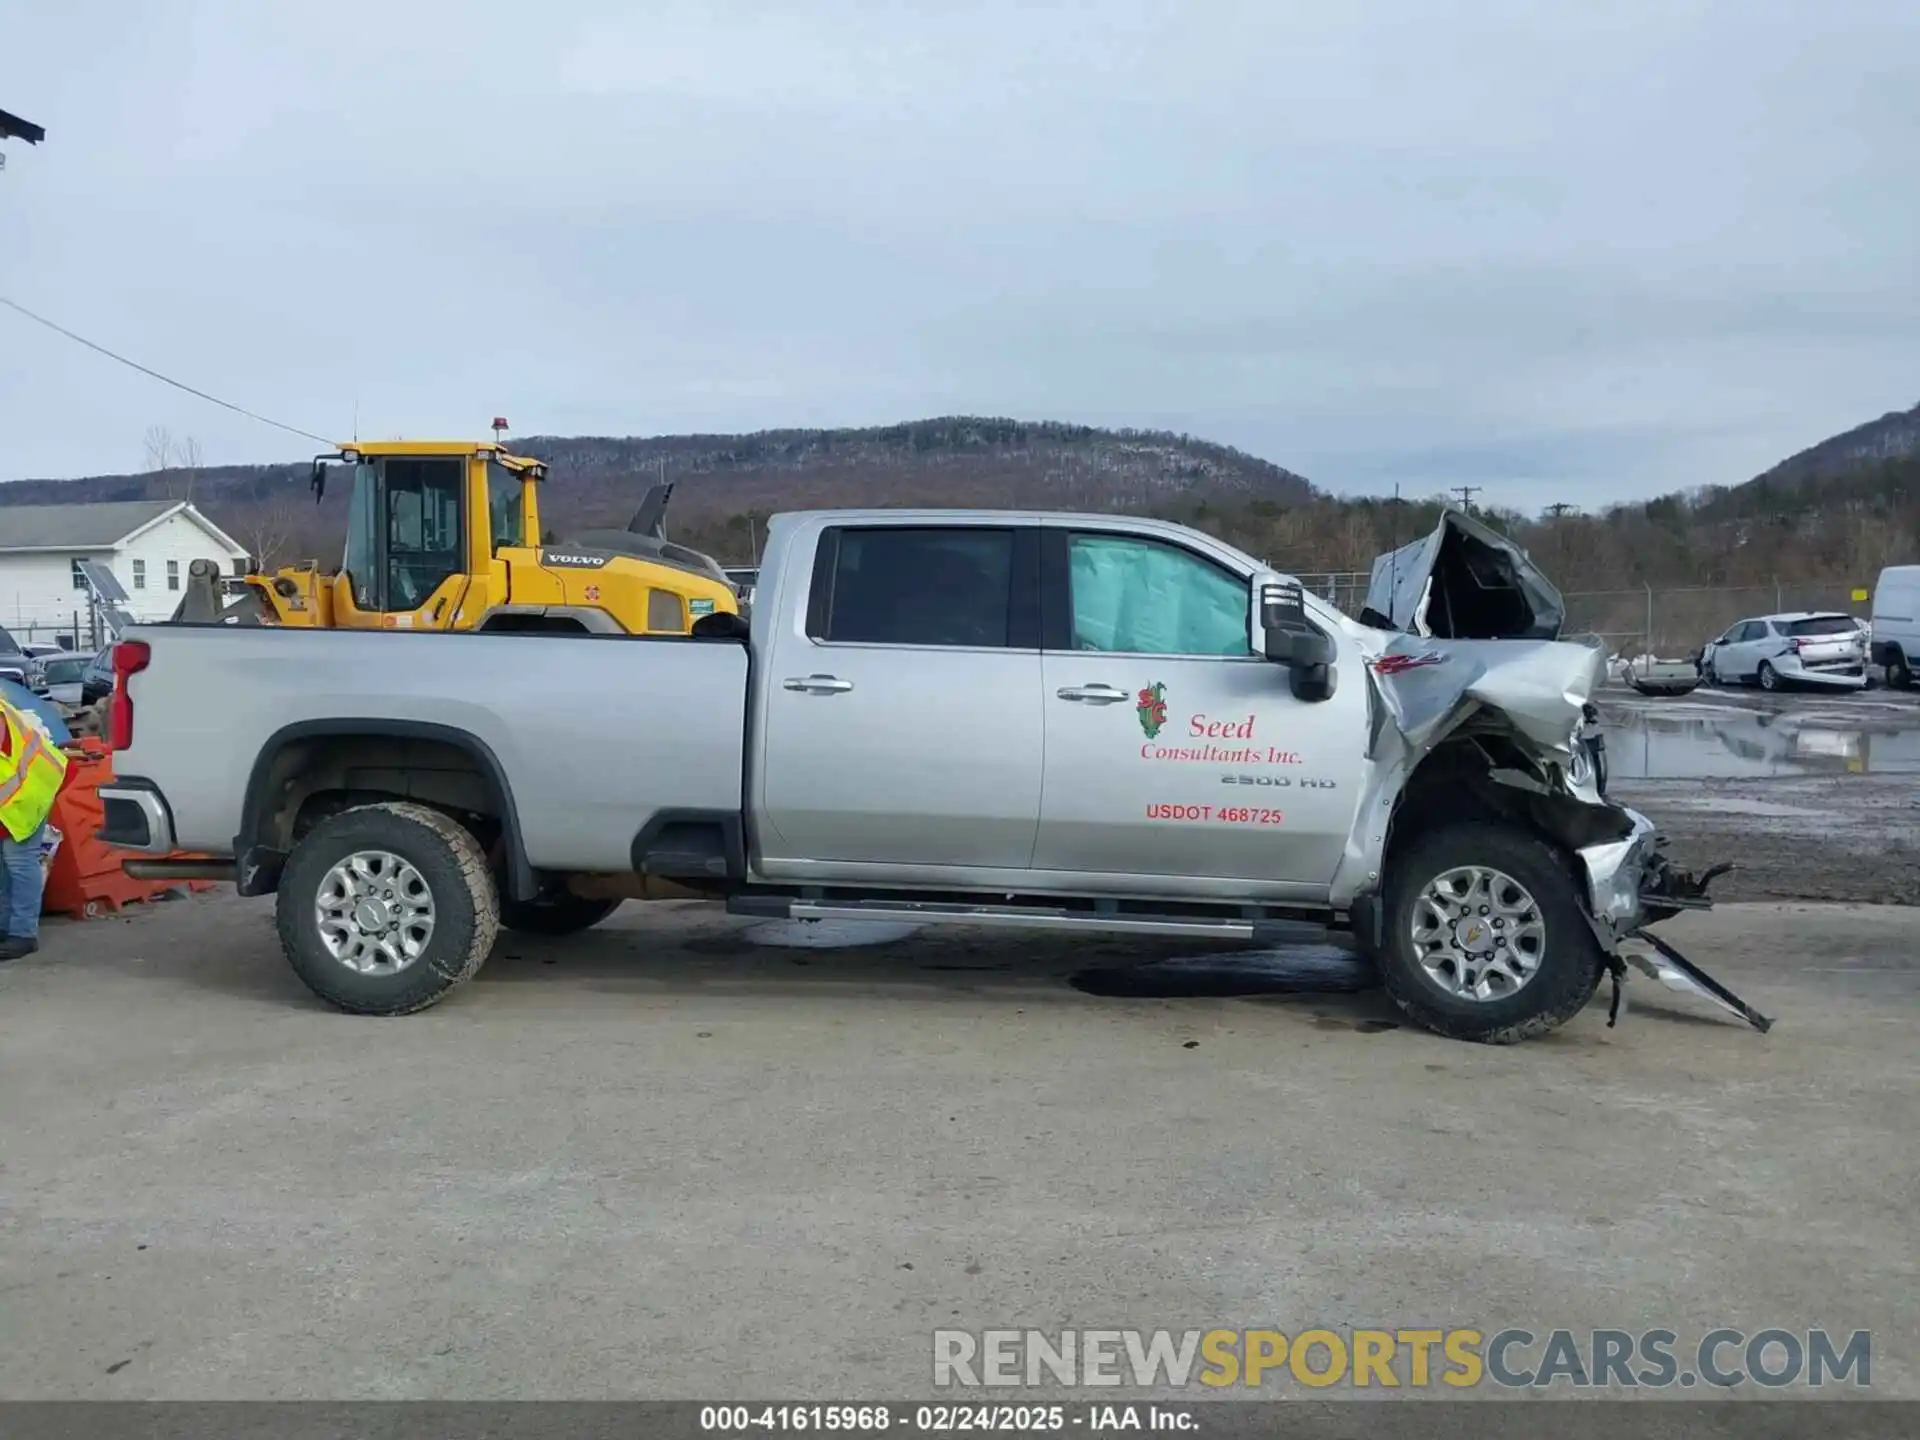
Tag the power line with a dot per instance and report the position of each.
(164, 379)
(1467, 492)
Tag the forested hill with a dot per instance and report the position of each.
(1837, 511)
(598, 480)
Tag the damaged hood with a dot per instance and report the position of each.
(1463, 582)
(1479, 627)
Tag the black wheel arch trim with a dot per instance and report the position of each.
(261, 862)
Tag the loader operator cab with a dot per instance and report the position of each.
(416, 535)
(447, 535)
(403, 531)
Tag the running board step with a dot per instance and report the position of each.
(1261, 930)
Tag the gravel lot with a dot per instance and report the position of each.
(658, 1160)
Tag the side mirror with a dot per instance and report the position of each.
(1290, 639)
(319, 481)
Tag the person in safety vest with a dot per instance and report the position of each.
(32, 765)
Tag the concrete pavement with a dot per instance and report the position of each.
(655, 1161)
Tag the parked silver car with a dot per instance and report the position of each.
(1774, 651)
(63, 676)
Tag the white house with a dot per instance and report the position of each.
(146, 544)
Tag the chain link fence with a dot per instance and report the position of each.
(1345, 590)
(1673, 623)
(82, 632)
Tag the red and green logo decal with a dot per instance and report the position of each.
(1151, 706)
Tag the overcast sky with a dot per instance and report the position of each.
(1568, 251)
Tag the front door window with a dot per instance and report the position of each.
(1139, 597)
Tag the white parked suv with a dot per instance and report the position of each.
(1773, 651)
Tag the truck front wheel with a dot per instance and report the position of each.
(1485, 938)
(382, 909)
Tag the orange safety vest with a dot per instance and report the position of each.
(32, 768)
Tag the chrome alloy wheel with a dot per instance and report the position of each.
(1477, 933)
(374, 911)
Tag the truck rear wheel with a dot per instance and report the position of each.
(383, 909)
(563, 914)
(1485, 938)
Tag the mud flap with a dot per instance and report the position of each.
(1676, 972)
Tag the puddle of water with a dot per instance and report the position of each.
(1296, 970)
(1686, 740)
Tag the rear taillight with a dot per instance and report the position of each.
(130, 657)
(1794, 646)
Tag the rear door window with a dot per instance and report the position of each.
(911, 585)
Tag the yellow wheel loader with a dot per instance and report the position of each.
(445, 535)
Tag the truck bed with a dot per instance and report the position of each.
(543, 708)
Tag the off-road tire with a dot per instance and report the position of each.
(1571, 964)
(1769, 678)
(557, 915)
(466, 906)
(1899, 671)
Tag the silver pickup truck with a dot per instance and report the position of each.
(1039, 721)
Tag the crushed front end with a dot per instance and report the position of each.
(1481, 701)
(1632, 884)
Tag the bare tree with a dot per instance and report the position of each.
(166, 455)
(187, 456)
(269, 532)
(159, 442)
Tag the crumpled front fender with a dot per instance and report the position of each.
(1430, 687)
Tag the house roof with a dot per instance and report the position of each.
(90, 527)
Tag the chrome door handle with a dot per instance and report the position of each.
(1095, 694)
(818, 684)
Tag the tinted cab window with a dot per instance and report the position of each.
(911, 586)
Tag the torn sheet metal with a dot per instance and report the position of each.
(1458, 600)
(1676, 972)
(1463, 582)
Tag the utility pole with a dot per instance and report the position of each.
(1559, 510)
(1467, 492)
